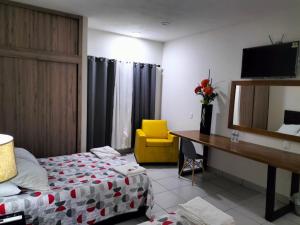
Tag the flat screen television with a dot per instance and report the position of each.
(278, 60)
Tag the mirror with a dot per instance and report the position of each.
(267, 107)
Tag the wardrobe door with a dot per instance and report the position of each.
(39, 105)
(19, 101)
(246, 106)
(261, 107)
(58, 108)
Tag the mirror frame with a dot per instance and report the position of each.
(257, 130)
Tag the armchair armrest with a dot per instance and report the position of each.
(140, 144)
(170, 136)
(140, 133)
(140, 138)
(173, 138)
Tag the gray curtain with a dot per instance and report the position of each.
(143, 107)
(101, 81)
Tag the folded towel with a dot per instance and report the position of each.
(105, 152)
(106, 149)
(130, 169)
(201, 212)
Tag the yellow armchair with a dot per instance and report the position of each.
(154, 143)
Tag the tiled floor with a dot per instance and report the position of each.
(245, 205)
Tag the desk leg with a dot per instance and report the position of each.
(271, 214)
(270, 194)
(180, 157)
(295, 183)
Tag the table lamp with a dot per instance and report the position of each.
(7, 158)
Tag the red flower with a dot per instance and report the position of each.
(197, 89)
(208, 90)
(204, 83)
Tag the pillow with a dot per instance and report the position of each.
(291, 129)
(8, 189)
(155, 128)
(24, 154)
(30, 176)
(298, 134)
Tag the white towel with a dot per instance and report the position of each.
(199, 211)
(130, 169)
(105, 152)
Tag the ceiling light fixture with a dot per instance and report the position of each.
(165, 23)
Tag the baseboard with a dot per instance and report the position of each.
(247, 184)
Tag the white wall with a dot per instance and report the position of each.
(186, 61)
(115, 46)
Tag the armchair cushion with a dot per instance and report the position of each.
(158, 142)
(155, 128)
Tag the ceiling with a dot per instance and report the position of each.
(185, 17)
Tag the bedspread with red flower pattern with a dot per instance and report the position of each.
(83, 190)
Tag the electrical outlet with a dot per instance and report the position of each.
(191, 116)
(286, 145)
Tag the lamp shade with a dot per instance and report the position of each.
(7, 158)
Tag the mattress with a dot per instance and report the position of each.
(83, 190)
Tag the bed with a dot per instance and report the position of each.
(291, 123)
(83, 190)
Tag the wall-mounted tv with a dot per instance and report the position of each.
(278, 60)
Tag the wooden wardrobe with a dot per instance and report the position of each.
(40, 78)
(254, 106)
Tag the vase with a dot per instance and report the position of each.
(205, 122)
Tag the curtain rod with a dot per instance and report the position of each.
(136, 62)
(125, 61)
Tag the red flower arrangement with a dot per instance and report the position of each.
(206, 90)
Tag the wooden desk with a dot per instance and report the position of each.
(273, 157)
